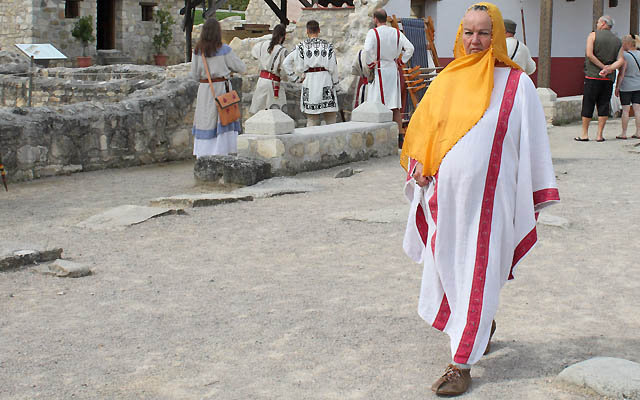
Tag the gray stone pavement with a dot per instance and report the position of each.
(304, 296)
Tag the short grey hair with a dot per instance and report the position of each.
(607, 20)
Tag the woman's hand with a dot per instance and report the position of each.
(422, 181)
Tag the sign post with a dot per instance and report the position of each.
(39, 52)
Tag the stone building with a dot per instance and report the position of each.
(121, 27)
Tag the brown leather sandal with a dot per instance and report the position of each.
(453, 382)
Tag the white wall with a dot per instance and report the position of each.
(401, 8)
(571, 22)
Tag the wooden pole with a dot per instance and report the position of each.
(544, 44)
(633, 17)
(598, 11)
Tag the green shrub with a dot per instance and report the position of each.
(162, 39)
(83, 31)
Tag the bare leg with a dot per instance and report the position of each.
(636, 112)
(313, 119)
(625, 120)
(585, 127)
(397, 117)
(601, 122)
(330, 118)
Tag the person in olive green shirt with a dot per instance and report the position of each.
(603, 50)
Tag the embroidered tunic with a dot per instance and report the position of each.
(210, 136)
(315, 59)
(264, 97)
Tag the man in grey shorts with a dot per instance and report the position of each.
(628, 86)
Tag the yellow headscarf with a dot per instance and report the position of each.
(456, 99)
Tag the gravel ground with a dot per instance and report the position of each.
(305, 296)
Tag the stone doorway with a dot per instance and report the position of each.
(106, 25)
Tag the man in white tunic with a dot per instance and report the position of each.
(477, 177)
(313, 62)
(518, 51)
(385, 47)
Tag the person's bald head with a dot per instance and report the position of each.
(380, 15)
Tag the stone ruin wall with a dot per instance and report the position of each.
(43, 21)
(152, 124)
(57, 86)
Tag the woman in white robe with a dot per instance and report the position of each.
(211, 137)
(270, 54)
(479, 171)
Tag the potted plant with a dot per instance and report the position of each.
(83, 31)
(162, 39)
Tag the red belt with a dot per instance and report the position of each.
(222, 79)
(269, 75)
(315, 69)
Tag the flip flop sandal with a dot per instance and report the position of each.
(579, 139)
(600, 140)
(621, 137)
(635, 136)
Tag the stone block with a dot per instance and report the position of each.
(271, 148)
(231, 170)
(269, 122)
(371, 112)
(611, 377)
(69, 269)
(546, 95)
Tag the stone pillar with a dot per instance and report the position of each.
(598, 11)
(633, 17)
(544, 44)
(269, 122)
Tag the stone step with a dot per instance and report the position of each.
(111, 57)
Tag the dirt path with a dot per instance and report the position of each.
(304, 296)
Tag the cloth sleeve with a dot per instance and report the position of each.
(407, 48)
(195, 67)
(288, 65)
(370, 48)
(234, 63)
(531, 65)
(333, 66)
(255, 51)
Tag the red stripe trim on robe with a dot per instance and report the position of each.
(443, 314)
(474, 312)
(539, 197)
(442, 317)
(544, 195)
(379, 72)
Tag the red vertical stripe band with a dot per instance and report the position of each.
(474, 312)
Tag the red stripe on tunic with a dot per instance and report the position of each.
(484, 232)
(443, 314)
(421, 223)
(379, 72)
(539, 197)
(433, 208)
(544, 195)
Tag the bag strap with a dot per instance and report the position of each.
(634, 57)
(273, 63)
(516, 50)
(206, 68)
